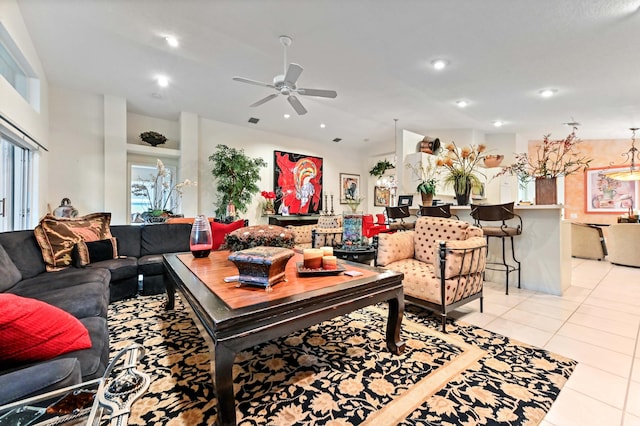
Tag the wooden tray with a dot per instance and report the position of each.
(304, 272)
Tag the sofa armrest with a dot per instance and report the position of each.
(38, 379)
(460, 258)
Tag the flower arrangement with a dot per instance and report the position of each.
(153, 138)
(427, 174)
(461, 164)
(269, 196)
(552, 159)
(161, 197)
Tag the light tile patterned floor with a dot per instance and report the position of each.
(596, 322)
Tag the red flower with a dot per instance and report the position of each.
(269, 195)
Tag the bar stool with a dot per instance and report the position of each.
(499, 213)
(401, 213)
(442, 210)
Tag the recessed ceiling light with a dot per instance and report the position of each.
(498, 123)
(287, 115)
(547, 93)
(322, 125)
(462, 104)
(171, 41)
(253, 120)
(337, 139)
(162, 81)
(439, 64)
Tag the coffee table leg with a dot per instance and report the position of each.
(171, 292)
(396, 311)
(223, 384)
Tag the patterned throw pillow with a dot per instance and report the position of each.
(86, 252)
(57, 236)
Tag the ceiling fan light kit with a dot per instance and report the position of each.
(285, 84)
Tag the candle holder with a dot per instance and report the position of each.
(326, 205)
(332, 204)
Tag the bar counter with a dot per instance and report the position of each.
(544, 249)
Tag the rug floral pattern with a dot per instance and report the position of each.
(338, 372)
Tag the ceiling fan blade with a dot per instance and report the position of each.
(318, 92)
(295, 103)
(257, 83)
(263, 100)
(293, 72)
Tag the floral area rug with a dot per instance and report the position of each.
(340, 372)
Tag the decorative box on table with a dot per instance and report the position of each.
(261, 266)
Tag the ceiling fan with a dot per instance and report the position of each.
(285, 84)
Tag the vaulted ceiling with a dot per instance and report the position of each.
(376, 54)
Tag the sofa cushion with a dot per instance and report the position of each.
(24, 251)
(86, 252)
(80, 292)
(164, 238)
(120, 268)
(9, 273)
(429, 230)
(31, 330)
(57, 236)
(128, 237)
(93, 361)
(394, 247)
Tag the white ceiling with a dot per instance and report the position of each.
(376, 54)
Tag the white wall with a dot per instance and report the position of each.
(16, 109)
(77, 154)
(256, 143)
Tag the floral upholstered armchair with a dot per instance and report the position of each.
(328, 232)
(443, 262)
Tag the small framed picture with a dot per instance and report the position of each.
(381, 196)
(405, 200)
(349, 187)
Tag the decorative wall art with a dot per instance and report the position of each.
(381, 196)
(349, 187)
(297, 183)
(606, 195)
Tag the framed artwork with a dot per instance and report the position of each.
(405, 200)
(352, 229)
(349, 187)
(606, 195)
(381, 196)
(297, 180)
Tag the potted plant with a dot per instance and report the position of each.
(427, 176)
(380, 168)
(552, 159)
(153, 138)
(236, 177)
(461, 164)
(162, 198)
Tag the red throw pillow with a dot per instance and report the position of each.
(220, 230)
(31, 330)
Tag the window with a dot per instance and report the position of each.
(15, 185)
(15, 68)
(151, 190)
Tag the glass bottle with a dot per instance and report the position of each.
(201, 239)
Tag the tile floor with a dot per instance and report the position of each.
(596, 322)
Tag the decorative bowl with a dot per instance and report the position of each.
(493, 160)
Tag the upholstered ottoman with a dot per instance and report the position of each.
(259, 235)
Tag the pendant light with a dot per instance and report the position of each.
(632, 155)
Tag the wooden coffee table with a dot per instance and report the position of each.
(234, 318)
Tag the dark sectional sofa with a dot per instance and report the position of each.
(84, 293)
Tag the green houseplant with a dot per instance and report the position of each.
(237, 176)
(427, 176)
(380, 168)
